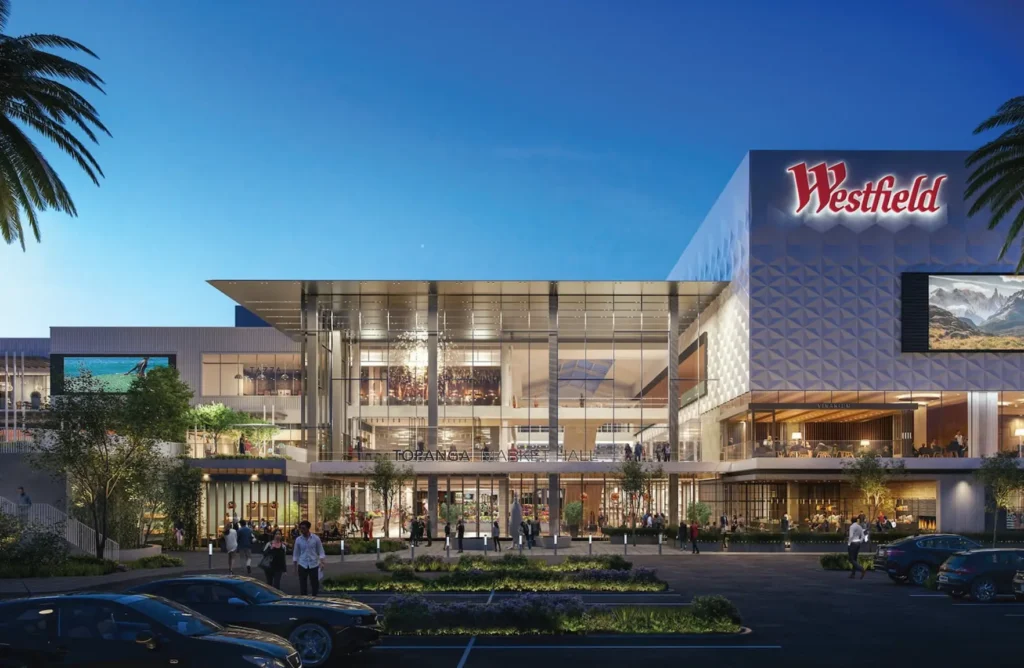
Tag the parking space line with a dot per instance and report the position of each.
(480, 648)
(465, 655)
(928, 596)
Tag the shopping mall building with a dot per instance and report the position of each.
(831, 304)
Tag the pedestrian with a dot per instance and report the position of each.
(785, 525)
(496, 535)
(447, 532)
(723, 521)
(429, 531)
(694, 532)
(524, 531)
(638, 451)
(666, 454)
(230, 545)
(273, 562)
(413, 531)
(244, 535)
(628, 453)
(460, 531)
(24, 504)
(534, 531)
(682, 535)
(308, 556)
(854, 541)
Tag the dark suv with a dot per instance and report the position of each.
(984, 574)
(914, 559)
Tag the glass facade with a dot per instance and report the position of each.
(229, 375)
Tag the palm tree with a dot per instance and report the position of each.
(999, 172)
(32, 95)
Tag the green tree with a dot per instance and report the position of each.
(997, 178)
(698, 512)
(636, 480)
(386, 481)
(871, 476)
(157, 405)
(330, 508)
(1004, 479)
(34, 95)
(183, 485)
(217, 419)
(573, 514)
(85, 435)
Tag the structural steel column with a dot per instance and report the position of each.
(432, 504)
(432, 331)
(554, 504)
(673, 371)
(311, 373)
(353, 375)
(553, 369)
(337, 391)
(982, 423)
(673, 499)
(503, 506)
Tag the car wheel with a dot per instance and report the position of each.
(983, 590)
(919, 573)
(313, 643)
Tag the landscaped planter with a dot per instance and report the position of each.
(139, 553)
(816, 547)
(756, 547)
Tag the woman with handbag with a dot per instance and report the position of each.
(273, 562)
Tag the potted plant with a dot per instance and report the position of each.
(574, 517)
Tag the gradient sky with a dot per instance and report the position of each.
(462, 140)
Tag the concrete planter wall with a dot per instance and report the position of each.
(140, 553)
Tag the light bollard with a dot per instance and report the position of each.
(342, 550)
(590, 544)
(378, 549)
(659, 544)
(625, 544)
(556, 544)
(520, 543)
(412, 550)
(485, 545)
(210, 545)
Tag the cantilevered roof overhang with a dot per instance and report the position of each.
(279, 302)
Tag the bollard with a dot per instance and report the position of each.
(625, 544)
(485, 546)
(659, 544)
(412, 550)
(556, 544)
(210, 545)
(520, 544)
(378, 549)
(447, 548)
(590, 545)
(342, 550)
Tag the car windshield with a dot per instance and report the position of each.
(955, 562)
(173, 616)
(258, 592)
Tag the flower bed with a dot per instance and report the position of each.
(534, 614)
(507, 563)
(475, 580)
(360, 546)
(840, 562)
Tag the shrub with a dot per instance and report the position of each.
(360, 546)
(508, 564)
(838, 561)
(74, 566)
(715, 608)
(473, 580)
(573, 514)
(157, 561)
(613, 532)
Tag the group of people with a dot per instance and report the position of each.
(308, 554)
(662, 452)
(957, 447)
(529, 529)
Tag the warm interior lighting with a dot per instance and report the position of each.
(797, 436)
(1018, 432)
(865, 442)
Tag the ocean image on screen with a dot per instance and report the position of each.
(115, 374)
(975, 312)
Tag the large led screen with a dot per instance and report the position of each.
(975, 312)
(114, 374)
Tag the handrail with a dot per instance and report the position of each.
(74, 532)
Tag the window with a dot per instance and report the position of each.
(173, 616)
(258, 592)
(38, 622)
(252, 375)
(101, 620)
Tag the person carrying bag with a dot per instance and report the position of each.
(273, 562)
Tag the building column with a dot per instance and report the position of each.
(673, 498)
(792, 503)
(432, 504)
(503, 506)
(673, 371)
(959, 504)
(553, 369)
(337, 391)
(982, 423)
(432, 331)
(353, 400)
(311, 373)
(554, 505)
(504, 430)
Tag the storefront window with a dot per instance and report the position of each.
(252, 375)
(1011, 422)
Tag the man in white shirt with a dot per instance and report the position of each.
(230, 545)
(856, 538)
(308, 557)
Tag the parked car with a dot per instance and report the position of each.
(1018, 585)
(319, 627)
(130, 630)
(914, 559)
(984, 574)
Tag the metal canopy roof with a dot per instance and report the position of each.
(279, 302)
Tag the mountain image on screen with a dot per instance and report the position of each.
(976, 313)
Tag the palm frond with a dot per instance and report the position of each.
(1010, 113)
(54, 42)
(5, 13)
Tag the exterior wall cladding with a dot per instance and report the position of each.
(822, 293)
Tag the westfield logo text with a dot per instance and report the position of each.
(824, 184)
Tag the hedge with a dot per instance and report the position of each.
(508, 564)
(73, 566)
(638, 580)
(360, 546)
(535, 614)
(840, 562)
(156, 561)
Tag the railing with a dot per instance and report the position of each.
(16, 447)
(810, 449)
(57, 521)
(511, 456)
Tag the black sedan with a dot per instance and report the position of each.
(318, 627)
(984, 574)
(128, 630)
(914, 559)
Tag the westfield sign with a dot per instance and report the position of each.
(824, 183)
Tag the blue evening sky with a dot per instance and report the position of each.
(461, 140)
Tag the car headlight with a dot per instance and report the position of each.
(265, 661)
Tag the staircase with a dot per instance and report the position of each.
(78, 535)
